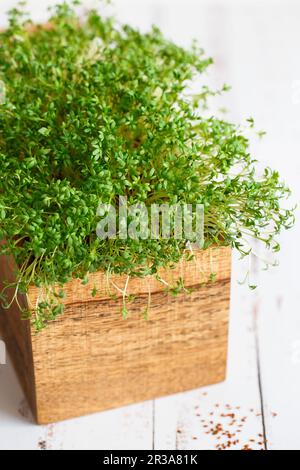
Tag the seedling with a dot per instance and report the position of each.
(94, 111)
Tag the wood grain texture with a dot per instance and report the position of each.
(17, 333)
(214, 260)
(90, 359)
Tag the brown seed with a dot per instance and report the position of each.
(246, 447)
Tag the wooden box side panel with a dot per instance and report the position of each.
(17, 333)
(90, 359)
(94, 361)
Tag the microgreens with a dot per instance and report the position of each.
(94, 110)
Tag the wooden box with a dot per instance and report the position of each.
(91, 359)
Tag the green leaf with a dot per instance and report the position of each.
(44, 131)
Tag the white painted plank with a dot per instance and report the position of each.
(123, 429)
(266, 76)
(235, 404)
(279, 334)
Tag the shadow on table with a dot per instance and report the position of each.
(13, 404)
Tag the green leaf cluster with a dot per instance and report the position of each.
(94, 110)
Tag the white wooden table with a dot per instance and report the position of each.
(255, 45)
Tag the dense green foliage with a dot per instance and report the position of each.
(93, 111)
